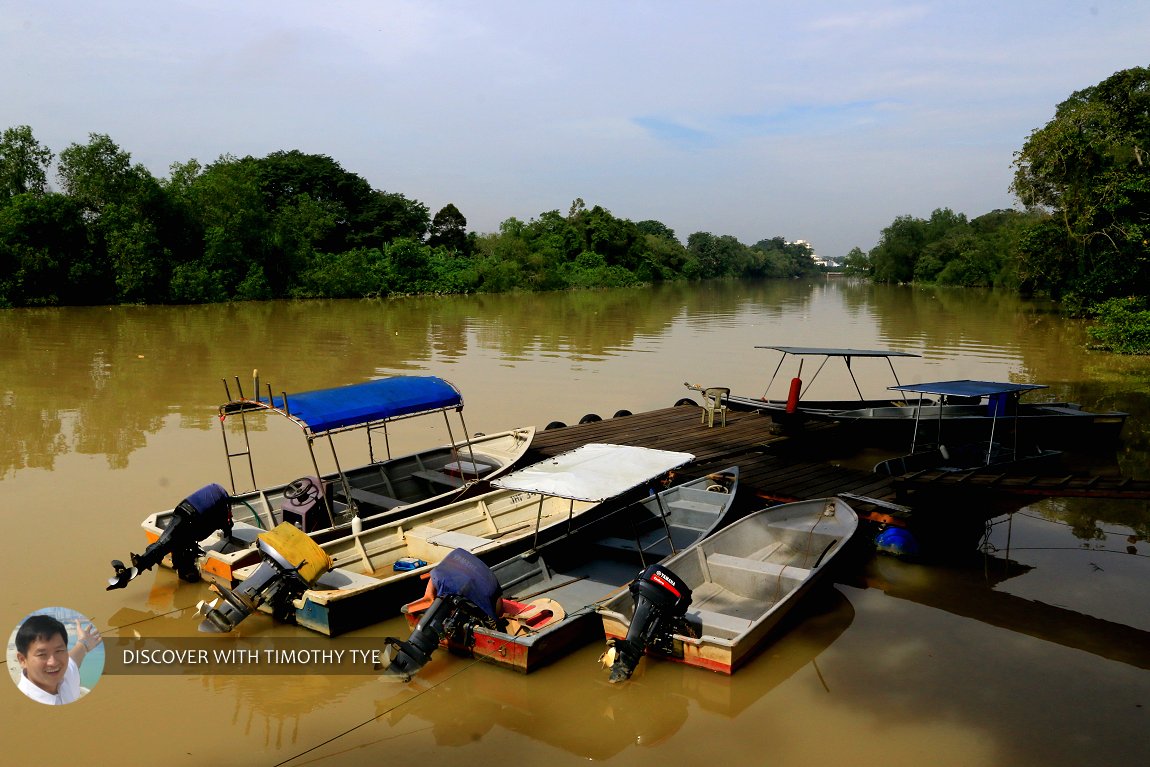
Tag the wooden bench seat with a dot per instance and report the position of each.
(722, 622)
(438, 478)
(720, 561)
(360, 495)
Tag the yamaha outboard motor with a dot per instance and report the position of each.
(196, 517)
(464, 592)
(661, 601)
(292, 562)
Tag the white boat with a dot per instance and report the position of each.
(376, 571)
(549, 593)
(715, 603)
(326, 506)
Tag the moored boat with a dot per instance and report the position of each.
(716, 602)
(549, 593)
(967, 411)
(327, 505)
(377, 570)
(796, 403)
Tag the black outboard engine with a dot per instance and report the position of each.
(196, 517)
(292, 562)
(465, 593)
(661, 601)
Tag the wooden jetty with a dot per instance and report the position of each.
(774, 466)
(778, 465)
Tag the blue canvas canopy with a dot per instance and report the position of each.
(325, 410)
(967, 388)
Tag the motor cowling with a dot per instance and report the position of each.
(661, 601)
(466, 593)
(195, 518)
(290, 563)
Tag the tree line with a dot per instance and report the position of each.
(1083, 235)
(296, 225)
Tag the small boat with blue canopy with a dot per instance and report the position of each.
(941, 437)
(967, 410)
(373, 573)
(329, 504)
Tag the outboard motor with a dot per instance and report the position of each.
(661, 601)
(463, 592)
(292, 562)
(196, 517)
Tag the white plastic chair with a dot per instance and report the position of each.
(715, 401)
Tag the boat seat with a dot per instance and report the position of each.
(715, 401)
(722, 622)
(439, 478)
(375, 499)
(422, 540)
(720, 561)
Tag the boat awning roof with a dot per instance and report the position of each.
(839, 352)
(325, 410)
(967, 388)
(594, 472)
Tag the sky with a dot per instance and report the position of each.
(816, 120)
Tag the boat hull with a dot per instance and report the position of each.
(370, 582)
(581, 569)
(745, 580)
(422, 480)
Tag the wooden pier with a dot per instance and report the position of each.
(771, 464)
(778, 466)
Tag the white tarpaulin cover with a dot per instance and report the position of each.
(594, 472)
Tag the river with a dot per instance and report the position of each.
(1036, 651)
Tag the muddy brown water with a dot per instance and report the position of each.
(1034, 652)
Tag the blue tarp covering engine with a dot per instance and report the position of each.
(323, 410)
(967, 388)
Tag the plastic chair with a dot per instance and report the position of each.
(715, 401)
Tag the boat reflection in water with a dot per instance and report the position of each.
(466, 700)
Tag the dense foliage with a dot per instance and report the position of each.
(947, 249)
(299, 225)
(1084, 236)
(1089, 168)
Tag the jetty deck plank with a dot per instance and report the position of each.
(769, 470)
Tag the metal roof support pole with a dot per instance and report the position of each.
(539, 519)
(816, 375)
(666, 525)
(468, 442)
(897, 382)
(342, 477)
(993, 423)
(917, 416)
(781, 360)
(856, 383)
(371, 443)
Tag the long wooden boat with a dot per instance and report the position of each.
(715, 603)
(549, 593)
(327, 505)
(967, 411)
(793, 401)
(890, 420)
(378, 570)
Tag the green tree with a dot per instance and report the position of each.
(128, 212)
(857, 263)
(449, 230)
(1089, 168)
(23, 163)
(45, 256)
